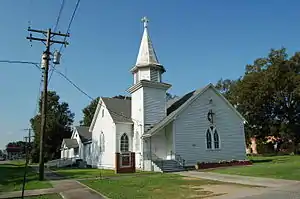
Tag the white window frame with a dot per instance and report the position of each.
(212, 130)
(128, 155)
(122, 142)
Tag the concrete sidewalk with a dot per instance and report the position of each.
(246, 180)
(68, 189)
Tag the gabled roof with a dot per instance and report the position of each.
(119, 110)
(70, 143)
(182, 103)
(84, 133)
(170, 102)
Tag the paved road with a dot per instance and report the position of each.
(275, 188)
(277, 194)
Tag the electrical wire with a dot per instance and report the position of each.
(55, 27)
(71, 21)
(65, 38)
(73, 84)
(59, 14)
(20, 62)
(91, 98)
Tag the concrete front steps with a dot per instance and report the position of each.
(169, 166)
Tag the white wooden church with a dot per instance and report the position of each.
(151, 133)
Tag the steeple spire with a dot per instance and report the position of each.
(146, 54)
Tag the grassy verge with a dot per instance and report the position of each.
(280, 167)
(11, 177)
(91, 173)
(50, 196)
(156, 186)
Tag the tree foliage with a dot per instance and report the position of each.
(88, 112)
(58, 126)
(268, 95)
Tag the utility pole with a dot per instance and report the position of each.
(28, 150)
(45, 66)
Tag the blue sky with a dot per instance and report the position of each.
(197, 41)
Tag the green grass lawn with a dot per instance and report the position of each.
(158, 186)
(281, 167)
(50, 196)
(11, 177)
(91, 173)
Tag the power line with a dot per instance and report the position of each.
(68, 29)
(21, 62)
(72, 83)
(71, 21)
(91, 98)
(59, 14)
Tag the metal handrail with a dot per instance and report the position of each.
(178, 158)
(154, 157)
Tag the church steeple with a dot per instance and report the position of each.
(146, 54)
(147, 66)
(148, 92)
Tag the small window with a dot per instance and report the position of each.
(124, 143)
(208, 139)
(102, 112)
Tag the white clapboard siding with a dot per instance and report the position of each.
(154, 105)
(106, 158)
(191, 126)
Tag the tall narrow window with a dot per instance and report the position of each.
(102, 112)
(208, 139)
(102, 142)
(124, 143)
(216, 139)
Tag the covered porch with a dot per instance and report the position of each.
(161, 144)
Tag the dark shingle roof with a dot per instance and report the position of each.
(71, 143)
(180, 102)
(84, 133)
(119, 109)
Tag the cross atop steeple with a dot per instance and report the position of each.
(146, 54)
(145, 20)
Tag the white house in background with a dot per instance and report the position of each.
(78, 146)
(200, 126)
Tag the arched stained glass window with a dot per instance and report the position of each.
(208, 139)
(124, 143)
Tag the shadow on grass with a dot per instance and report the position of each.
(261, 161)
(11, 176)
(88, 173)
